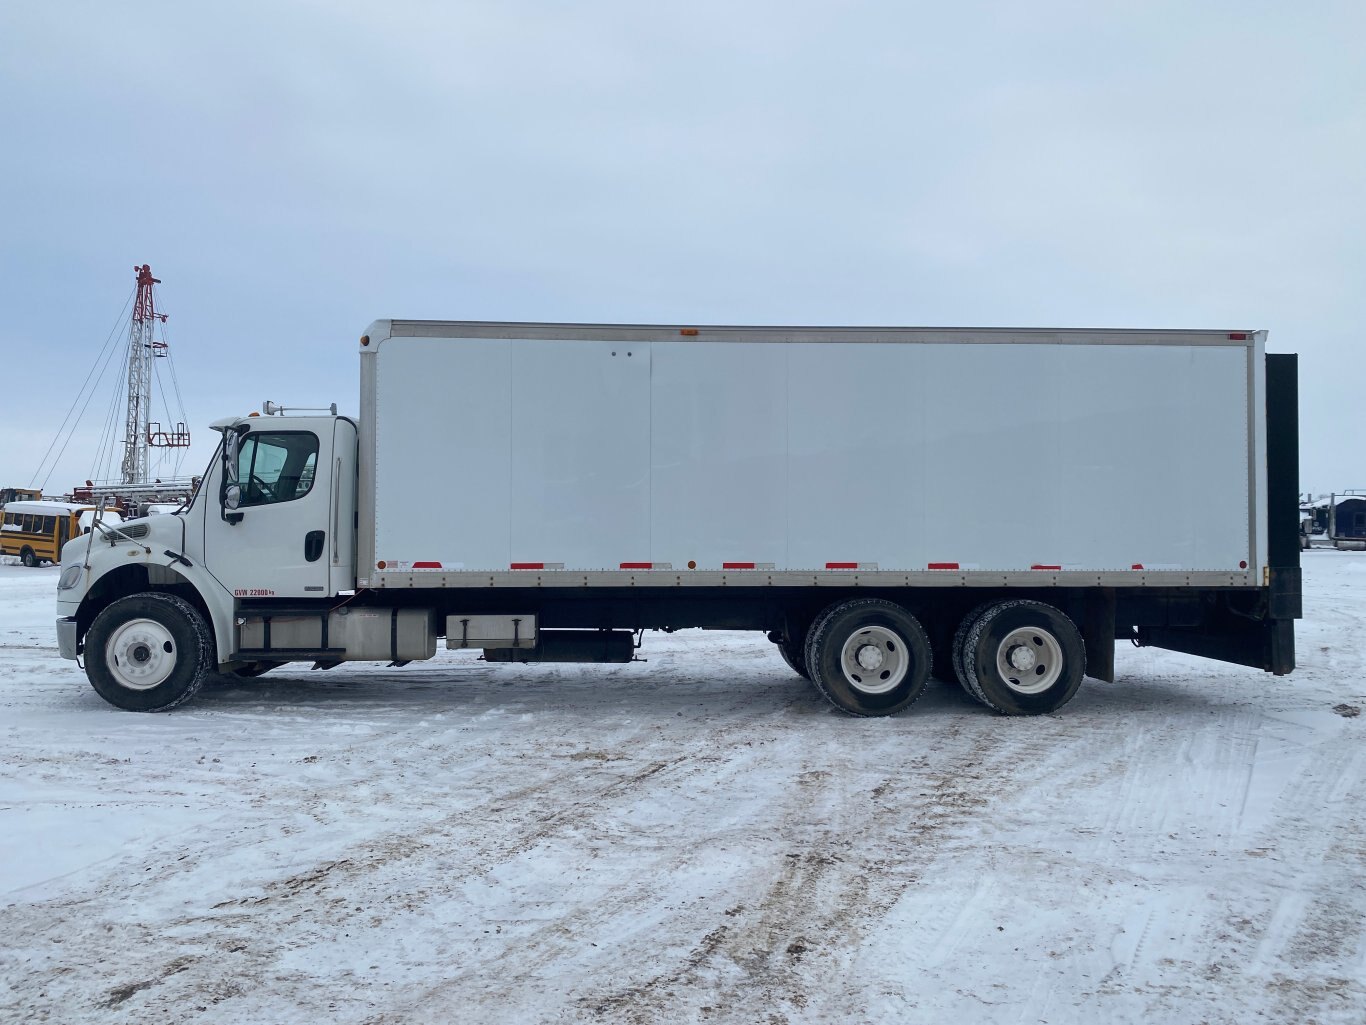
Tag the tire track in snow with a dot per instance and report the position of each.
(409, 867)
(784, 953)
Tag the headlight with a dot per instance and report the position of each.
(70, 577)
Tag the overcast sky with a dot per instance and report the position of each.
(295, 171)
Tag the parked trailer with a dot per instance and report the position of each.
(992, 505)
(1347, 520)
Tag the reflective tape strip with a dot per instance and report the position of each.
(942, 565)
(1039, 565)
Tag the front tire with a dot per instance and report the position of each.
(1023, 658)
(148, 652)
(868, 656)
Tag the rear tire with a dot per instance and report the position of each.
(148, 652)
(959, 636)
(868, 656)
(28, 558)
(1024, 658)
(794, 654)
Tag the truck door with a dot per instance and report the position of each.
(341, 538)
(277, 543)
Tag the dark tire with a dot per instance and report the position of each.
(941, 651)
(956, 649)
(794, 654)
(1024, 658)
(868, 656)
(28, 558)
(148, 652)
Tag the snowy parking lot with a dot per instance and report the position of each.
(699, 838)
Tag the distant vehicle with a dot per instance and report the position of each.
(1347, 519)
(36, 531)
(8, 495)
(581, 484)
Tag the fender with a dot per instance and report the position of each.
(124, 569)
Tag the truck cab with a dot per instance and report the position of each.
(273, 520)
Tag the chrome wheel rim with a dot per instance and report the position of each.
(874, 660)
(1029, 660)
(140, 654)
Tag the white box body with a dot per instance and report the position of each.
(559, 454)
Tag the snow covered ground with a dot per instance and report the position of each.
(697, 839)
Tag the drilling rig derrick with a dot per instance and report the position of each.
(141, 432)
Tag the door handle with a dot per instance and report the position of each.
(313, 545)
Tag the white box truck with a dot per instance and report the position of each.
(995, 506)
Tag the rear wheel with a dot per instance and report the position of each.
(794, 654)
(148, 652)
(28, 558)
(868, 656)
(1023, 658)
(961, 635)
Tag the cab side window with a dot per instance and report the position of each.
(276, 467)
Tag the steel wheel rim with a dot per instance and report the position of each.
(874, 660)
(1029, 660)
(140, 654)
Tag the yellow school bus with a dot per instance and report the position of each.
(8, 495)
(36, 531)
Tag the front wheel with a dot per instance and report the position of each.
(868, 656)
(148, 652)
(1023, 658)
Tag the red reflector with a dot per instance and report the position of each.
(528, 565)
(943, 565)
(637, 565)
(687, 331)
(1137, 565)
(841, 565)
(1238, 336)
(737, 565)
(1243, 564)
(1041, 566)
(426, 565)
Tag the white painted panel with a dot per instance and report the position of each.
(719, 422)
(856, 483)
(443, 451)
(1097, 457)
(580, 453)
(991, 438)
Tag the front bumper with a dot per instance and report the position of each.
(66, 637)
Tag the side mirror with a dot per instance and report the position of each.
(231, 494)
(231, 444)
